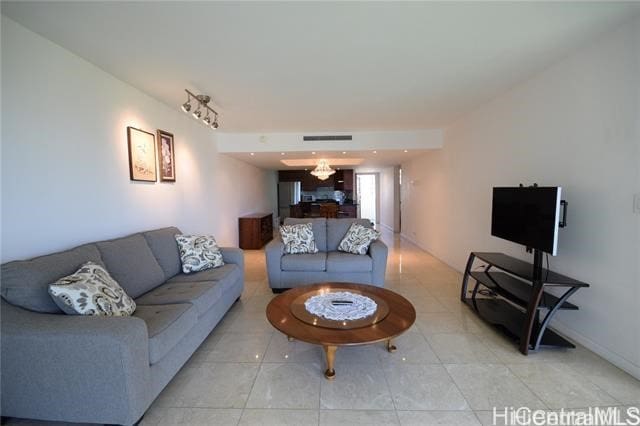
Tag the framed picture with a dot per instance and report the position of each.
(166, 157)
(142, 155)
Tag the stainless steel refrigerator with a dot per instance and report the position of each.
(288, 194)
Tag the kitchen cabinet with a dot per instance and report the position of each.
(343, 180)
(348, 180)
(309, 182)
(291, 175)
(348, 210)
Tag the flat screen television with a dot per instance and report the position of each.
(527, 215)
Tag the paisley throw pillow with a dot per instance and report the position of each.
(358, 239)
(91, 291)
(298, 238)
(198, 252)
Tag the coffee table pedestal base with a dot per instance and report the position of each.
(390, 346)
(330, 352)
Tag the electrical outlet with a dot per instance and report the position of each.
(636, 203)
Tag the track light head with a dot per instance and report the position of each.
(186, 107)
(215, 122)
(197, 113)
(207, 119)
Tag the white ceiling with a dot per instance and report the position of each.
(322, 65)
(349, 160)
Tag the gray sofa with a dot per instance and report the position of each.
(291, 270)
(107, 369)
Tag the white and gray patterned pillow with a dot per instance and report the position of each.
(198, 252)
(358, 239)
(298, 238)
(91, 291)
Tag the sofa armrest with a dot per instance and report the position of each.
(378, 252)
(236, 256)
(273, 251)
(74, 368)
(233, 255)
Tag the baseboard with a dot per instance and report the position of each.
(612, 357)
(387, 227)
(411, 240)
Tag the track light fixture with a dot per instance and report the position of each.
(202, 101)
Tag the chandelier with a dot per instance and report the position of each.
(322, 170)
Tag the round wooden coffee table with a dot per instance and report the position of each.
(394, 315)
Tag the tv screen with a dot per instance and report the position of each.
(527, 216)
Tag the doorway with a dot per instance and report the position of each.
(367, 196)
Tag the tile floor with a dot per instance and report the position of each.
(450, 367)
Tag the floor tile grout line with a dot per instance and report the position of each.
(256, 377)
(568, 364)
(393, 398)
(456, 385)
(578, 374)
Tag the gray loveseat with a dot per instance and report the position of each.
(291, 270)
(107, 369)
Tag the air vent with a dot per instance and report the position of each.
(328, 138)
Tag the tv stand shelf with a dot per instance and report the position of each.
(519, 290)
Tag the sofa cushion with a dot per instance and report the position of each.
(319, 226)
(131, 263)
(166, 326)
(337, 229)
(338, 261)
(25, 283)
(91, 291)
(358, 239)
(298, 238)
(201, 294)
(198, 252)
(304, 262)
(225, 275)
(164, 247)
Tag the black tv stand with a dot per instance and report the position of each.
(518, 295)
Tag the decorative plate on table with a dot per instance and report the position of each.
(339, 309)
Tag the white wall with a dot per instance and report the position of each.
(65, 177)
(573, 125)
(389, 198)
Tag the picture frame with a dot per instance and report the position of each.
(166, 156)
(142, 155)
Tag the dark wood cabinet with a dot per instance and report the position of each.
(329, 182)
(255, 230)
(338, 179)
(291, 175)
(348, 180)
(348, 210)
(343, 180)
(309, 182)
